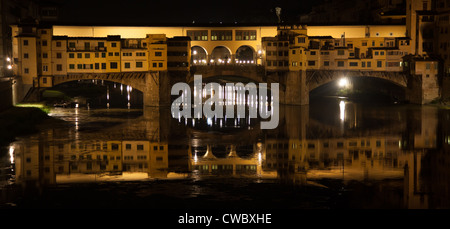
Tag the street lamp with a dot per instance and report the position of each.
(343, 82)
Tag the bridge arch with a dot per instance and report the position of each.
(136, 80)
(199, 55)
(236, 73)
(315, 79)
(220, 55)
(245, 54)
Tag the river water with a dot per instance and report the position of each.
(331, 154)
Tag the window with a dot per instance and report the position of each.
(79, 66)
(45, 68)
(154, 65)
(101, 44)
(58, 55)
(311, 63)
(293, 52)
(428, 66)
(378, 143)
(71, 66)
(294, 63)
(87, 46)
(103, 54)
(341, 52)
(160, 65)
(198, 35)
(114, 146)
(59, 67)
(25, 55)
(340, 63)
(353, 64)
(127, 65)
(44, 55)
(44, 80)
(369, 64)
(71, 44)
(140, 54)
(71, 55)
(326, 63)
(116, 54)
(158, 53)
(221, 35)
(44, 43)
(110, 54)
(379, 64)
(140, 147)
(113, 44)
(97, 55)
(103, 65)
(313, 53)
(245, 35)
(138, 64)
(363, 64)
(26, 70)
(97, 65)
(128, 146)
(113, 65)
(58, 44)
(79, 55)
(301, 40)
(87, 55)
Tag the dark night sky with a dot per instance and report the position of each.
(133, 12)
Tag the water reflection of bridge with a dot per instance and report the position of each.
(299, 151)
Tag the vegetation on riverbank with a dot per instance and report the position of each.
(20, 120)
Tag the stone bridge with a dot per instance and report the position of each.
(294, 86)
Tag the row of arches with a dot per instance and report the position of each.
(223, 55)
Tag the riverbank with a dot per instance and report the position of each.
(18, 121)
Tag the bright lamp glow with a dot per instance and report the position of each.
(343, 82)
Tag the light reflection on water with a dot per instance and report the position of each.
(397, 154)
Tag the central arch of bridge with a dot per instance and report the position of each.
(232, 73)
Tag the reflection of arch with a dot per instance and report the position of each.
(199, 55)
(245, 53)
(221, 55)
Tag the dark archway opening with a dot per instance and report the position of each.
(220, 55)
(93, 94)
(361, 89)
(245, 55)
(199, 56)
